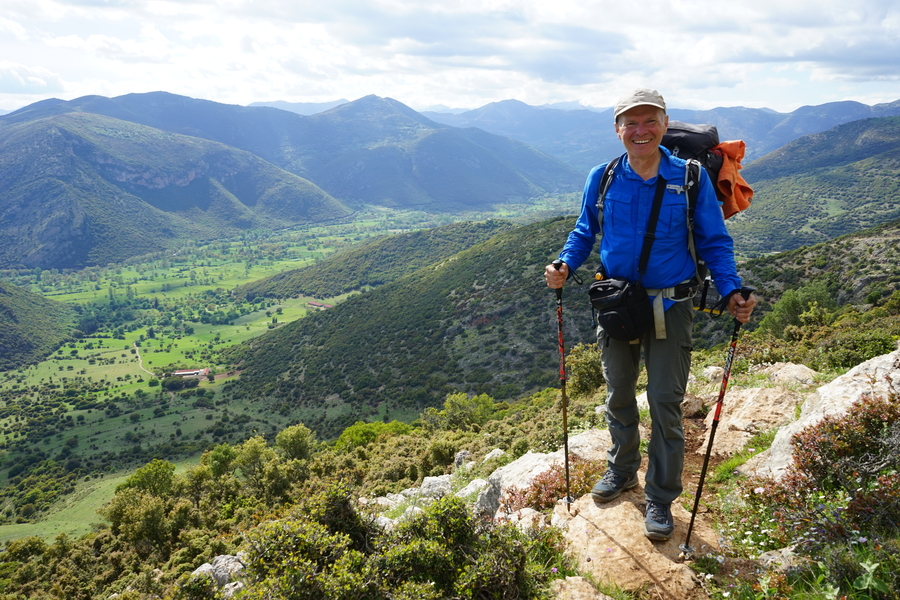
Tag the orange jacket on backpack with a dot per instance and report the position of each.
(734, 192)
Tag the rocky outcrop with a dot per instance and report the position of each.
(590, 445)
(878, 376)
(223, 570)
(576, 588)
(608, 541)
(746, 413)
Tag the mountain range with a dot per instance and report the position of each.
(98, 179)
(584, 138)
(84, 189)
(822, 186)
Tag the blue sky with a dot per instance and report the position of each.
(780, 54)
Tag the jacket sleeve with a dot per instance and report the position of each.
(712, 240)
(582, 238)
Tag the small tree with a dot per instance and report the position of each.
(296, 441)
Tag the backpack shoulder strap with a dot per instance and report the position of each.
(603, 187)
(692, 189)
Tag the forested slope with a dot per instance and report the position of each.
(481, 321)
(822, 186)
(373, 263)
(31, 326)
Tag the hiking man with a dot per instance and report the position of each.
(641, 122)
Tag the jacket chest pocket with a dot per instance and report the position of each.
(673, 213)
(619, 212)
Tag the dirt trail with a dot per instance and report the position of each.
(137, 350)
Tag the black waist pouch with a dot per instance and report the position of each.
(622, 307)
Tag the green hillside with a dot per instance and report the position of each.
(31, 326)
(858, 268)
(374, 263)
(822, 186)
(483, 321)
(80, 189)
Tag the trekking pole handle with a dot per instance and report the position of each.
(745, 294)
(557, 264)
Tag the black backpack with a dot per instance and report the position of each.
(689, 141)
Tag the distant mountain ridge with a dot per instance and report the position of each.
(271, 168)
(372, 150)
(301, 108)
(584, 138)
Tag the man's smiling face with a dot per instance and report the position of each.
(641, 130)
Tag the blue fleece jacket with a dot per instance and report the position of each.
(625, 216)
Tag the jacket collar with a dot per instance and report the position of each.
(670, 167)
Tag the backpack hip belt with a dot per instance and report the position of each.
(677, 293)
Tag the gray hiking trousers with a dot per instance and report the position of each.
(668, 363)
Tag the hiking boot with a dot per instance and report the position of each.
(658, 525)
(612, 485)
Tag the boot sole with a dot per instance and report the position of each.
(657, 536)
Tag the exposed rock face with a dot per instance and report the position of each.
(474, 486)
(748, 412)
(435, 487)
(222, 569)
(608, 542)
(878, 376)
(576, 588)
(789, 373)
(590, 445)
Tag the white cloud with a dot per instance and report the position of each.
(466, 53)
(20, 79)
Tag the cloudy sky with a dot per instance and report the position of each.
(780, 54)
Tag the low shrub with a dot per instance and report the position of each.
(838, 502)
(549, 487)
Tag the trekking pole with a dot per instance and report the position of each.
(685, 547)
(562, 381)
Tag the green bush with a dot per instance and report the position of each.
(795, 302)
(361, 434)
(444, 552)
(584, 370)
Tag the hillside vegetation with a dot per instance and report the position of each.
(455, 348)
(371, 264)
(31, 326)
(822, 186)
(481, 321)
(82, 189)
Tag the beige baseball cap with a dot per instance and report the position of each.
(639, 97)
